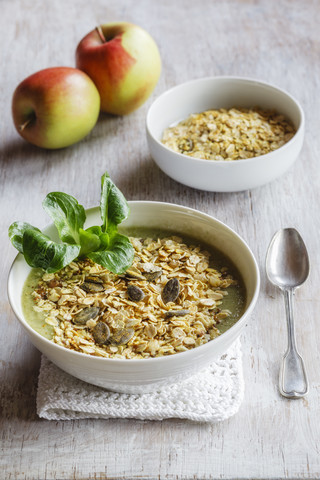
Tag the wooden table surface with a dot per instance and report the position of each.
(275, 41)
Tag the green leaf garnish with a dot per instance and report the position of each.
(40, 251)
(89, 242)
(118, 257)
(67, 215)
(102, 244)
(16, 231)
(113, 206)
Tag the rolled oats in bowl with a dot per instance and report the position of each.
(226, 145)
(207, 285)
(229, 134)
(175, 297)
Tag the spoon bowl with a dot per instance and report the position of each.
(287, 261)
(287, 267)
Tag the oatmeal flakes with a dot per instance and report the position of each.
(164, 304)
(237, 133)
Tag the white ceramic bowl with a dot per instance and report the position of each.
(139, 376)
(199, 95)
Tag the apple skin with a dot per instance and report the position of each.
(55, 107)
(123, 61)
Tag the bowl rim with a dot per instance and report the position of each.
(245, 161)
(154, 360)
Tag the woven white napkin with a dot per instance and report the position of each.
(213, 395)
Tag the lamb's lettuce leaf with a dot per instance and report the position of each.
(67, 215)
(40, 251)
(16, 231)
(117, 257)
(89, 242)
(103, 244)
(115, 252)
(113, 206)
(104, 238)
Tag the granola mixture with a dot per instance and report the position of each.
(167, 302)
(227, 135)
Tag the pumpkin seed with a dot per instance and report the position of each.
(100, 333)
(135, 293)
(121, 336)
(86, 314)
(177, 313)
(152, 276)
(91, 287)
(94, 279)
(134, 273)
(170, 291)
(185, 144)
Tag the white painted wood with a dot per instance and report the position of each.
(270, 437)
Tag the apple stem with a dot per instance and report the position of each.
(101, 35)
(25, 124)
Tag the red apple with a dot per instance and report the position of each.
(55, 107)
(123, 61)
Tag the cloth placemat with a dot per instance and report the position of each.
(213, 395)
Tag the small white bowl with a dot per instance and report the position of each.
(199, 95)
(144, 375)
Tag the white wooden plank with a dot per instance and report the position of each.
(270, 437)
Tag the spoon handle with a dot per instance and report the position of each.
(293, 381)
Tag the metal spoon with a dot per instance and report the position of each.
(287, 266)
